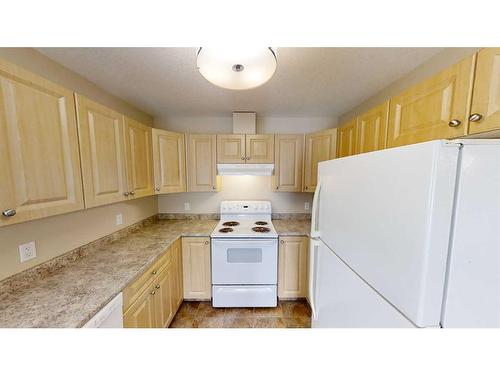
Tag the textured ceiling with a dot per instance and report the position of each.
(308, 82)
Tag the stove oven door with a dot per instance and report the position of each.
(244, 261)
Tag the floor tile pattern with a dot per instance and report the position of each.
(288, 314)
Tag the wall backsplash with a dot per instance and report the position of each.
(236, 188)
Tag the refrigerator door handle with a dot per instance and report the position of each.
(315, 212)
(312, 274)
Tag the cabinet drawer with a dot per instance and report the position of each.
(136, 288)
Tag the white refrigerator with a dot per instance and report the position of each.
(408, 237)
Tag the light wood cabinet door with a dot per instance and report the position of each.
(142, 312)
(39, 163)
(293, 266)
(163, 297)
(176, 270)
(202, 166)
(102, 154)
(320, 146)
(139, 159)
(259, 148)
(288, 162)
(196, 268)
(347, 138)
(486, 95)
(231, 148)
(435, 108)
(169, 161)
(372, 129)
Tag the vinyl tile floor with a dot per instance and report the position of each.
(288, 314)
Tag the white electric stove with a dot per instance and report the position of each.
(245, 256)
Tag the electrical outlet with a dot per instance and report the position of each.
(27, 251)
(187, 207)
(119, 219)
(306, 206)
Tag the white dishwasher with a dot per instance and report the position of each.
(110, 316)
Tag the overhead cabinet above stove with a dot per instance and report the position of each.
(245, 148)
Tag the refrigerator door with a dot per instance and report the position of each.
(473, 285)
(387, 215)
(344, 300)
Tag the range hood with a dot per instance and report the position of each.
(244, 123)
(245, 169)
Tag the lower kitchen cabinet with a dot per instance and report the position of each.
(152, 300)
(292, 267)
(196, 268)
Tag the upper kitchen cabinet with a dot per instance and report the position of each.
(372, 129)
(169, 160)
(139, 158)
(436, 108)
(249, 148)
(39, 163)
(259, 148)
(202, 162)
(485, 110)
(231, 148)
(102, 151)
(320, 146)
(288, 158)
(347, 138)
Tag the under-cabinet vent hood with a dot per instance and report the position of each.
(245, 169)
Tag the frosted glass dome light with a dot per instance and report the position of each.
(237, 68)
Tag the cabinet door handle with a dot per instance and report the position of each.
(213, 187)
(153, 292)
(126, 193)
(242, 158)
(248, 157)
(475, 117)
(9, 213)
(157, 189)
(282, 242)
(154, 272)
(132, 192)
(206, 242)
(454, 123)
(307, 187)
(277, 187)
(158, 286)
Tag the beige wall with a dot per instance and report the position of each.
(236, 188)
(240, 187)
(442, 60)
(56, 235)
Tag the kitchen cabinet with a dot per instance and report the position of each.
(196, 268)
(347, 138)
(249, 148)
(372, 129)
(319, 146)
(178, 291)
(39, 164)
(102, 153)
(169, 161)
(202, 165)
(433, 109)
(288, 162)
(292, 267)
(139, 158)
(231, 149)
(152, 300)
(259, 148)
(485, 108)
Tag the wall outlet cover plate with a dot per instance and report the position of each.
(27, 251)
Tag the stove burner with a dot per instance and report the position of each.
(230, 223)
(261, 229)
(261, 223)
(225, 230)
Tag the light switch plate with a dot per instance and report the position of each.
(306, 206)
(119, 219)
(27, 251)
(187, 207)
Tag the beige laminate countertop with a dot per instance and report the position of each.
(70, 296)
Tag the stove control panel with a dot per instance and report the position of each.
(245, 207)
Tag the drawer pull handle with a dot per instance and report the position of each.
(153, 293)
(158, 286)
(154, 272)
(9, 213)
(454, 123)
(475, 117)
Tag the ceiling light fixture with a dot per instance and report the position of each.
(237, 68)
